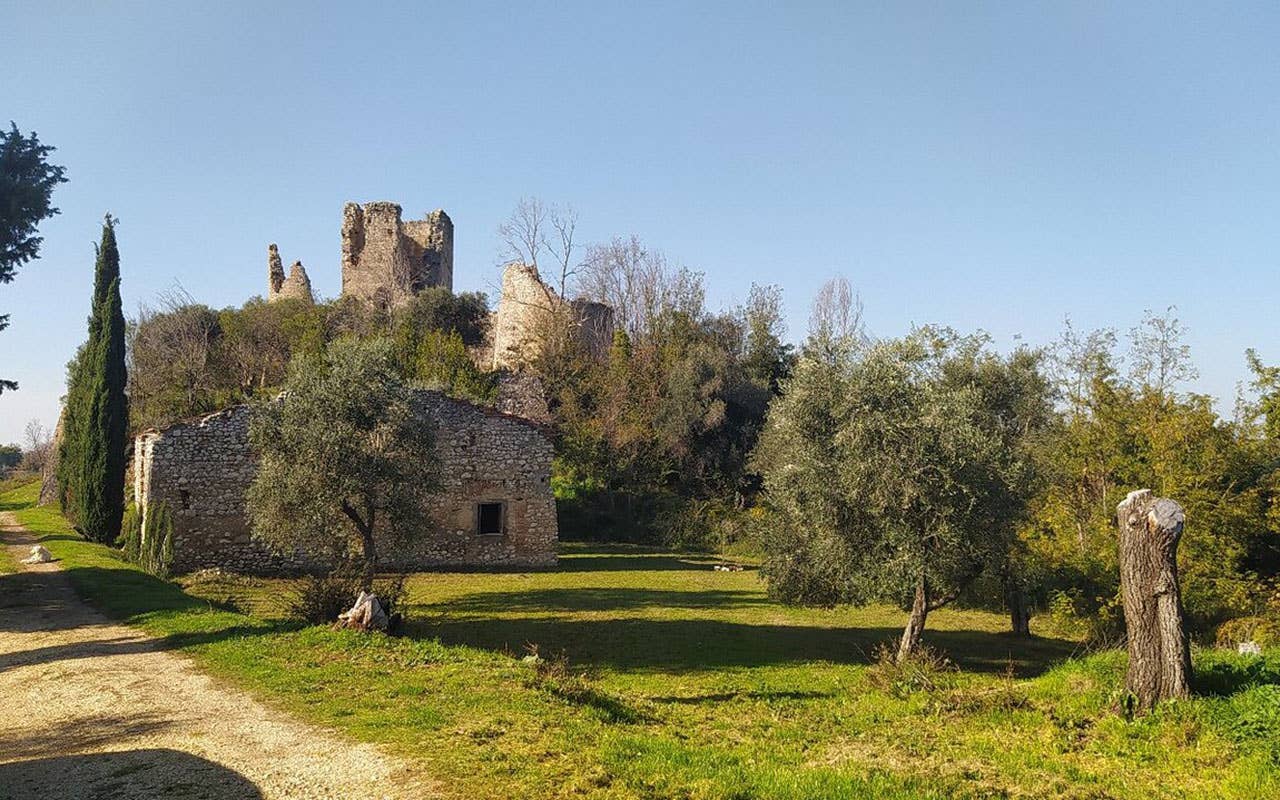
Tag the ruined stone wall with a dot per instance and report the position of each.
(386, 261)
(529, 311)
(522, 394)
(434, 239)
(297, 286)
(486, 456)
(526, 309)
(203, 469)
(594, 323)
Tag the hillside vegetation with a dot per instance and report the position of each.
(685, 682)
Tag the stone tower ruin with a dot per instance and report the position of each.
(527, 308)
(297, 286)
(387, 260)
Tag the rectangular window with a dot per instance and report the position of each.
(489, 519)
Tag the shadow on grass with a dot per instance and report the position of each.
(621, 558)
(601, 599)
(1228, 674)
(721, 697)
(45, 601)
(146, 773)
(693, 645)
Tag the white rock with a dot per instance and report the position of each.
(39, 555)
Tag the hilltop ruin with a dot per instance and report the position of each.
(296, 287)
(387, 260)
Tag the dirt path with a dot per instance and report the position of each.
(93, 709)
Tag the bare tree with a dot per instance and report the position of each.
(564, 222)
(1077, 358)
(39, 442)
(837, 313)
(523, 234)
(1160, 359)
(536, 229)
(171, 354)
(639, 284)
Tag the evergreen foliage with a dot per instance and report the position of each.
(154, 550)
(898, 472)
(92, 456)
(362, 478)
(27, 181)
(188, 359)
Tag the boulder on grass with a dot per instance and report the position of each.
(39, 555)
(365, 615)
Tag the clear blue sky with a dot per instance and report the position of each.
(984, 166)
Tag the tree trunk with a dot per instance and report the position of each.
(1019, 611)
(370, 554)
(364, 528)
(915, 623)
(1159, 656)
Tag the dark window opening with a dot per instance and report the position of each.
(489, 519)
(184, 498)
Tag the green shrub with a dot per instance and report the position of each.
(157, 542)
(154, 552)
(1262, 630)
(130, 539)
(319, 599)
(1097, 621)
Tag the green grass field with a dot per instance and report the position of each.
(684, 682)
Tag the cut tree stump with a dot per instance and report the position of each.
(1159, 655)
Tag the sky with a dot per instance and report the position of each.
(986, 166)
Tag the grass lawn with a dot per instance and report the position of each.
(688, 683)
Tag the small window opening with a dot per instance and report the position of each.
(184, 498)
(489, 519)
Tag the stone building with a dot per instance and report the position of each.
(297, 286)
(387, 260)
(527, 311)
(495, 506)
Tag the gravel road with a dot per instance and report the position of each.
(93, 709)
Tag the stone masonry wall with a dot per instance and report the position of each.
(202, 470)
(297, 286)
(386, 261)
(485, 457)
(528, 306)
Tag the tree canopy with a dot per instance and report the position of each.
(91, 462)
(897, 471)
(363, 477)
(27, 181)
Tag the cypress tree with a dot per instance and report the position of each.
(91, 470)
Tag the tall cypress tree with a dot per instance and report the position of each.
(91, 469)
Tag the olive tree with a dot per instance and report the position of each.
(893, 472)
(346, 458)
